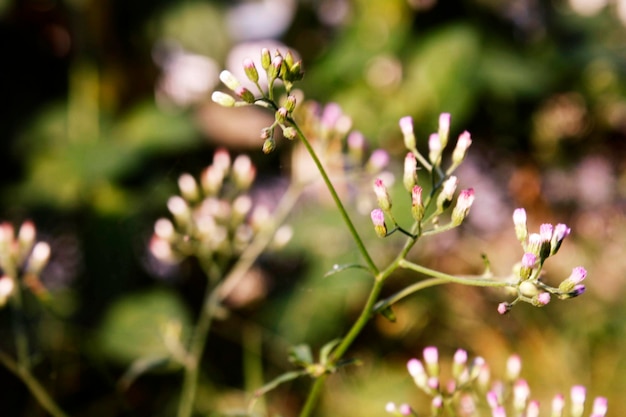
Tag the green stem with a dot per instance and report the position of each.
(35, 388)
(336, 199)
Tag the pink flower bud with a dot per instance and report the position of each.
(463, 204)
(447, 193)
(513, 367)
(431, 359)
(558, 404)
(379, 159)
(378, 219)
(504, 308)
(384, 201)
(410, 171)
(417, 206)
(444, 128)
(406, 126)
(434, 148)
(250, 70)
(462, 145)
(600, 407)
(577, 276)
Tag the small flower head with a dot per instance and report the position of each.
(578, 395)
(406, 126)
(250, 70)
(463, 204)
(378, 218)
(447, 193)
(519, 220)
(541, 299)
(378, 160)
(561, 231)
(504, 308)
(431, 359)
(6, 289)
(410, 171)
(462, 145)
(223, 99)
(229, 80)
(382, 196)
(576, 277)
(529, 260)
(513, 367)
(600, 407)
(434, 148)
(444, 128)
(417, 206)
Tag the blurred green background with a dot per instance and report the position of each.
(105, 104)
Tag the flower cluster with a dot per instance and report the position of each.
(212, 218)
(444, 190)
(469, 392)
(278, 67)
(527, 273)
(21, 259)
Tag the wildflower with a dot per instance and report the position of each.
(576, 277)
(561, 231)
(384, 201)
(250, 70)
(444, 128)
(431, 359)
(378, 218)
(434, 148)
(519, 220)
(462, 145)
(406, 126)
(447, 192)
(223, 99)
(463, 204)
(417, 206)
(410, 171)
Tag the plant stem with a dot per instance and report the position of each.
(484, 281)
(336, 199)
(35, 388)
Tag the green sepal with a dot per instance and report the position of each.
(301, 355)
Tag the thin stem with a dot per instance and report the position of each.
(337, 200)
(35, 388)
(483, 281)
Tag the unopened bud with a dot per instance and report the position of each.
(519, 220)
(38, 258)
(266, 59)
(223, 99)
(164, 229)
(417, 372)
(378, 219)
(245, 94)
(212, 179)
(578, 395)
(462, 145)
(26, 239)
(229, 80)
(243, 172)
(561, 231)
(541, 299)
(274, 69)
(434, 148)
(269, 145)
(179, 209)
(576, 277)
(289, 132)
(382, 196)
(188, 187)
(281, 115)
(250, 70)
(447, 193)
(406, 126)
(417, 206)
(290, 104)
(513, 367)
(378, 160)
(463, 204)
(410, 171)
(444, 128)
(600, 407)
(431, 360)
(504, 308)
(6, 289)
(558, 405)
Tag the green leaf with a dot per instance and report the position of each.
(327, 349)
(288, 376)
(301, 355)
(342, 267)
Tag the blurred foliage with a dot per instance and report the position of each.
(91, 156)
